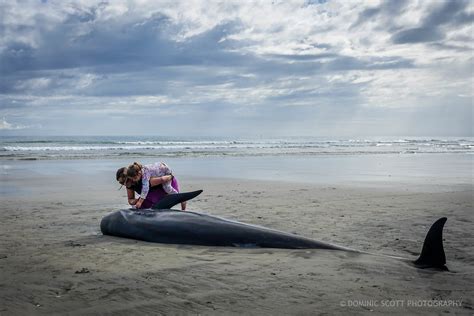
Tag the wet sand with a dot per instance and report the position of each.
(54, 259)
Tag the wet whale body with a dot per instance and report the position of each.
(161, 224)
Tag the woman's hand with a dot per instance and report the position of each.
(139, 203)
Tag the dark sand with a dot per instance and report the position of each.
(54, 259)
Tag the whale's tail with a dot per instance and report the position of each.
(171, 200)
(432, 255)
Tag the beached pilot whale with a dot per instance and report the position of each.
(164, 225)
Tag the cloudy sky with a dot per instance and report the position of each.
(271, 68)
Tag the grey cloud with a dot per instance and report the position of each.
(145, 51)
(417, 35)
(315, 2)
(447, 12)
(306, 66)
(369, 63)
(365, 16)
(114, 48)
(302, 57)
(387, 10)
(341, 91)
(433, 25)
(205, 76)
(104, 44)
(322, 46)
(457, 48)
(17, 56)
(156, 79)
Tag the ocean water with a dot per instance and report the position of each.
(420, 172)
(98, 147)
(433, 163)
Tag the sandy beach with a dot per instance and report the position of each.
(55, 261)
(346, 123)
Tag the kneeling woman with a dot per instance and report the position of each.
(151, 182)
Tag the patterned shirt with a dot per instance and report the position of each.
(153, 170)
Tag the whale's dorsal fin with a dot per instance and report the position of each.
(432, 255)
(172, 199)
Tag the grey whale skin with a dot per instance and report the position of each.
(161, 224)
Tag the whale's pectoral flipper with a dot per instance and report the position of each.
(171, 200)
(432, 254)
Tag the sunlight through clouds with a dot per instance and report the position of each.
(241, 61)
